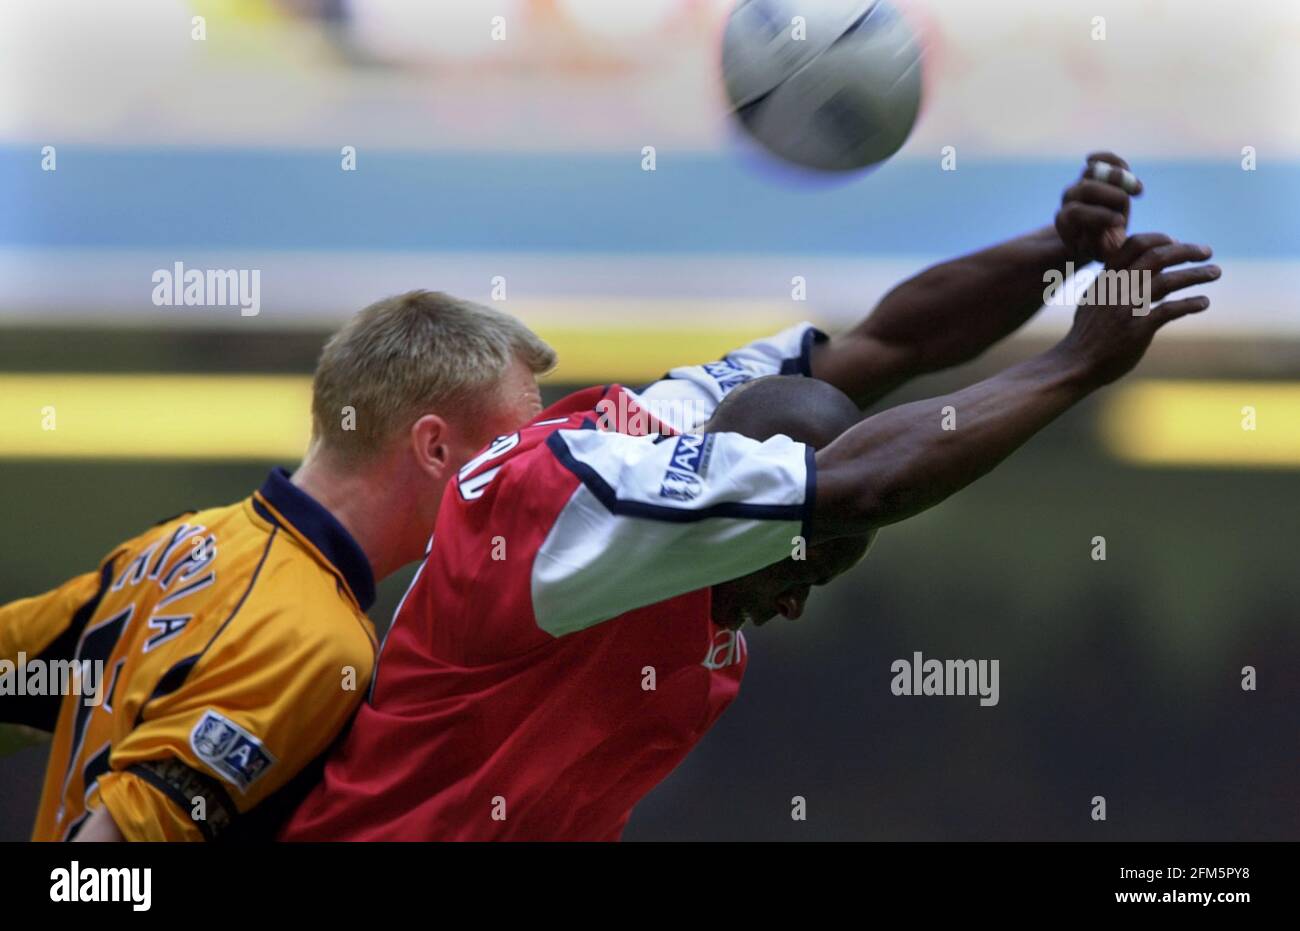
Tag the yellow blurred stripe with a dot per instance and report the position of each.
(1200, 423)
(637, 355)
(154, 416)
(241, 417)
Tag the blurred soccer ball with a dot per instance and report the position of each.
(833, 85)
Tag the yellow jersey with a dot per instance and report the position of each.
(199, 670)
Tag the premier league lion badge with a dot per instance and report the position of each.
(231, 751)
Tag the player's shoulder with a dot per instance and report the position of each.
(284, 577)
(300, 607)
(294, 579)
(578, 404)
(785, 352)
(174, 549)
(161, 529)
(618, 428)
(603, 429)
(686, 396)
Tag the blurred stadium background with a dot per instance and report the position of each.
(522, 159)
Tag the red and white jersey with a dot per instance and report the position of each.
(555, 657)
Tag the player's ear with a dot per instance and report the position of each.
(430, 444)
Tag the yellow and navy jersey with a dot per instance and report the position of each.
(205, 664)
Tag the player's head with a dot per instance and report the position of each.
(812, 412)
(418, 384)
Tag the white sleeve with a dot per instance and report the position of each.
(687, 396)
(654, 517)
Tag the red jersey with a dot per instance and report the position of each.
(555, 656)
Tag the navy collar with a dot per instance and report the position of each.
(311, 519)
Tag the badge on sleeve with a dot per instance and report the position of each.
(690, 463)
(727, 374)
(230, 750)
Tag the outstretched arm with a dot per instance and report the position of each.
(901, 462)
(954, 311)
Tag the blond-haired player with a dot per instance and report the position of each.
(229, 646)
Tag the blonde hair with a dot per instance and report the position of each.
(412, 354)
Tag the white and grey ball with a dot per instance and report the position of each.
(843, 96)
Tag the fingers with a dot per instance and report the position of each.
(1135, 246)
(1090, 191)
(1110, 168)
(1106, 157)
(1172, 253)
(1172, 310)
(1092, 220)
(1148, 255)
(1107, 184)
(1169, 282)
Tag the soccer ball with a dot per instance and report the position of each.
(833, 85)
